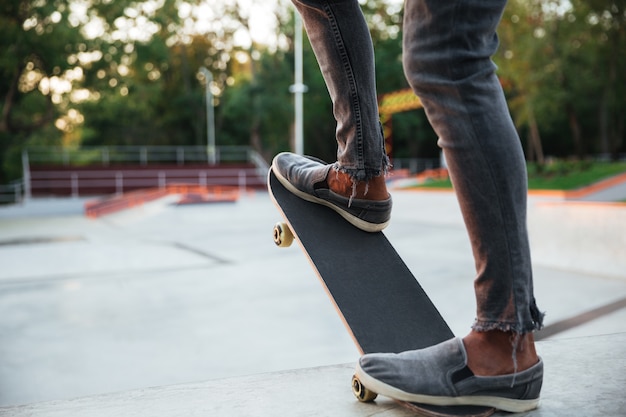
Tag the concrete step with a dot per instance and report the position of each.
(584, 377)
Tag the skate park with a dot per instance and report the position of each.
(182, 309)
(138, 272)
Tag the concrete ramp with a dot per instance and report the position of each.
(584, 377)
(579, 236)
(610, 189)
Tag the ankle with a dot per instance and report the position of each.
(491, 353)
(342, 184)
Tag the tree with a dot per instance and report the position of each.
(413, 137)
(147, 90)
(607, 26)
(125, 72)
(259, 106)
(37, 40)
(564, 80)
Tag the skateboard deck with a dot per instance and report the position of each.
(375, 294)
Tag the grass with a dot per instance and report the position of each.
(559, 175)
(436, 184)
(564, 175)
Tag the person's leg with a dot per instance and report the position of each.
(447, 55)
(343, 47)
(448, 46)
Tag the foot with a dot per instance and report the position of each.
(490, 353)
(340, 182)
(366, 206)
(440, 375)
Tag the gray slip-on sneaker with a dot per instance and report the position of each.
(439, 375)
(306, 178)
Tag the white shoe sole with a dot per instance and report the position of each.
(504, 404)
(353, 220)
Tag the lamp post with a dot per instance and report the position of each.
(298, 88)
(210, 117)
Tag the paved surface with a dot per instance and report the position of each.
(586, 379)
(166, 294)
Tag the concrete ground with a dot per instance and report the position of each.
(573, 386)
(166, 294)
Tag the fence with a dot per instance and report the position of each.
(141, 155)
(107, 170)
(12, 193)
(416, 165)
(76, 182)
(117, 169)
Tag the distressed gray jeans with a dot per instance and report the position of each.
(448, 46)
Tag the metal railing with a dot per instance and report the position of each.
(118, 181)
(141, 155)
(416, 165)
(54, 170)
(12, 193)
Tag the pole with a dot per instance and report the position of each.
(210, 117)
(26, 176)
(298, 88)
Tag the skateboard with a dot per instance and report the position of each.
(380, 302)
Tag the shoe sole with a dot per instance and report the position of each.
(504, 404)
(353, 220)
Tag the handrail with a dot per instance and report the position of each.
(143, 173)
(12, 193)
(142, 155)
(258, 161)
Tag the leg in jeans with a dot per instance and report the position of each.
(448, 46)
(447, 50)
(354, 186)
(343, 47)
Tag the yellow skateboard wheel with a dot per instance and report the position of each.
(283, 237)
(360, 392)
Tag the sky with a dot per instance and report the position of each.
(134, 25)
(262, 19)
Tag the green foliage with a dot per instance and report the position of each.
(35, 41)
(126, 72)
(558, 174)
(262, 103)
(560, 69)
(413, 137)
(570, 174)
(319, 124)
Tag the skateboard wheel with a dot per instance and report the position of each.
(283, 237)
(360, 392)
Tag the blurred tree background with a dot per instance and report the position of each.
(126, 72)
